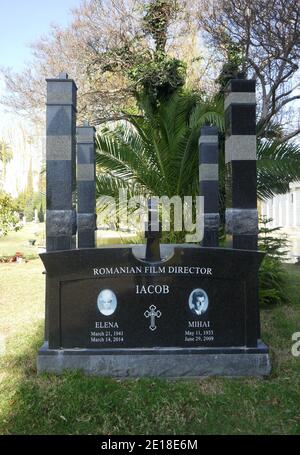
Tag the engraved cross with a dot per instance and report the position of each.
(152, 313)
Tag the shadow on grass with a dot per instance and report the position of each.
(73, 403)
(76, 404)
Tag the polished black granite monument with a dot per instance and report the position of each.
(193, 313)
(152, 310)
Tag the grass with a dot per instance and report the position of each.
(19, 241)
(75, 404)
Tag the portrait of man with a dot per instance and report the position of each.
(107, 302)
(198, 302)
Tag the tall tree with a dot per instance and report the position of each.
(156, 152)
(6, 155)
(103, 42)
(29, 186)
(264, 36)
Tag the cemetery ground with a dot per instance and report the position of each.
(76, 404)
(20, 241)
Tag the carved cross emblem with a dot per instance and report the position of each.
(152, 313)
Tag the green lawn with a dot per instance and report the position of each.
(19, 241)
(75, 404)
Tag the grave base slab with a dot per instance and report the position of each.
(158, 362)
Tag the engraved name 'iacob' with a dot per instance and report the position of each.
(152, 289)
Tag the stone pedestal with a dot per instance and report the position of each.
(162, 363)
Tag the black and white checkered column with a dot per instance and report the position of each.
(61, 163)
(209, 184)
(240, 160)
(86, 187)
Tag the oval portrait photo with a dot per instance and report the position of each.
(107, 302)
(198, 302)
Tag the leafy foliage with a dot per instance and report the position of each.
(8, 217)
(272, 283)
(155, 74)
(233, 64)
(274, 243)
(41, 215)
(272, 276)
(158, 77)
(157, 19)
(27, 202)
(6, 155)
(278, 164)
(157, 152)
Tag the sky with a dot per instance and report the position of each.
(24, 21)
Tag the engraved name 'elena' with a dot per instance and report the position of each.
(152, 270)
(106, 325)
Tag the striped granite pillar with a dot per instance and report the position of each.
(86, 187)
(209, 184)
(240, 161)
(61, 163)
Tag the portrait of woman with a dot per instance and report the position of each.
(107, 302)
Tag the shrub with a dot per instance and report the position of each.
(272, 282)
(29, 212)
(41, 216)
(272, 276)
(9, 219)
(270, 240)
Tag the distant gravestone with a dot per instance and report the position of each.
(155, 310)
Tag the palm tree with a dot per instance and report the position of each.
(156, 153)
(278, 164)
(5, 156)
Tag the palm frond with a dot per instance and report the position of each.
(277, 166)
(158, 150)
(110, 185)
(121, 154)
